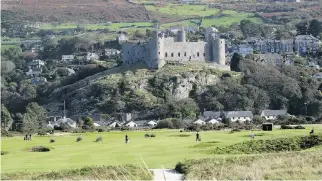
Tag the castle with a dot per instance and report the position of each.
(160, 49)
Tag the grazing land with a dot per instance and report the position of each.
(166, 149)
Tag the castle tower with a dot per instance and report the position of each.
(218, 51)
(156, 59)
(182, 35)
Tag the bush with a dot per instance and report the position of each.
(78, 139)
(181, 131)
(100, 130)
(39, 149)
(4, 152)
(181, 168)
(52, 141)
(286, 127)
(146, 135)
(153, 135)
(235, 130)
(98, 139)
(299, 127)
(5, 133)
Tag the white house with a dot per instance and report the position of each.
(110, 52)
(239, 116)
(151, 123)
(212, 121)
(131, 124)
(199, 122)
(36, 63)
(272, 114)
(317, 76)
(92, 56)
(66, 122)
(122, 38)
(114, 124)
(67, 58)
(34, 71)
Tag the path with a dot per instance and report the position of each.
(166, 175)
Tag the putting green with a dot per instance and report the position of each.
(166, 149)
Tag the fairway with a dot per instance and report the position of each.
(166, 149)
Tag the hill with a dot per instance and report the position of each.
(73, 11)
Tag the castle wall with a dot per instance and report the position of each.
(133, 53)
(186, 51)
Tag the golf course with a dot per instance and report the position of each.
(165, 150)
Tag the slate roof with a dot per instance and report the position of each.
(231, 114)
(273, 112)
(212, 114)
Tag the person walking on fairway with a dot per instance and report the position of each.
(312, 131)
(126, 138)
(197, 137)
(252, 135)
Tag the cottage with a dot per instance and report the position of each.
(151, 123)
(199, 122)
(92, 56)
(212, 121)
(115, 124)
(317, 76)
(36, 63)
(212, 114)
(131, 124)
(67, 58)
(122, 38)
(112, 52)
(272, 114)
(65, 122)
(306, 43)
(234, 116)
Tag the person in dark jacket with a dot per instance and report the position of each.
(126, 138)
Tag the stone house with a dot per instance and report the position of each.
(306, 43)
(92, 56)
(242, 50)
(122, 38)
(112, 52)
(274, 46)
(242, 116)
(272, 114)
(36, 63)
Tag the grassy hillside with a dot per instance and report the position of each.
(166, 149)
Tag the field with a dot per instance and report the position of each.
(166, 149)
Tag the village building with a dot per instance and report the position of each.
(242, 116)
(273, 114)
(67, 58)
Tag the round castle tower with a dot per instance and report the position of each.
(219, 50)
(182, 35)
(156, 48)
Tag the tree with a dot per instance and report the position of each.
(138, 34)
(88, 123)
(302, 28)
(236, 62)
(7, 66)
(6, 119)
(62, 72)
(34, 118)
(315, 28)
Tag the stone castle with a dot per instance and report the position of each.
(161, 49)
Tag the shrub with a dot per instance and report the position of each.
(52, 141)
(286, 127)
(299, 127)
(146, 135)
(153, 135)
(42, 132)
(100, 130)
(235, 130)
(39, 149)
(98, 139)
(181, 168)
(4, 152)
(181, 131)
(78, 139)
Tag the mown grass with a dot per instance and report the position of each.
(278, 166)
(164, 150)
(126, 172)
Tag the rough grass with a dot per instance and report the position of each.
(278, 166)
(126, 172)
(276, 145)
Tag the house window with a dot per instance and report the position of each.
(185, 54)
(166, 55)
(178, 54)
(159, 53)
(171, 54)
(238, 117)
(233, 117)
(198, 54)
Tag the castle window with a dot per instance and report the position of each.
(198, 54)
(185, 54)
(171, 54)
(128, 52)
(204, 54)
(159, 53)
(178, 54)
(166, 55)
